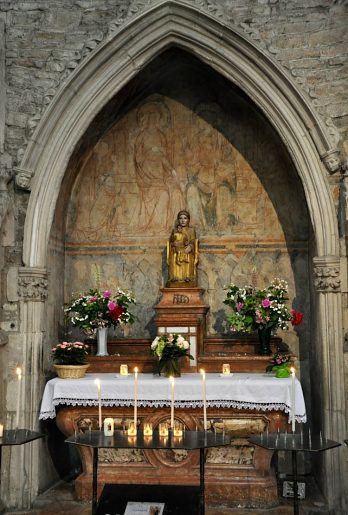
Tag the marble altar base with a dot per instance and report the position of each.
(240, 474)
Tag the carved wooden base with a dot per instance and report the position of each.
(240, 474)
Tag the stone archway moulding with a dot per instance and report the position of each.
(115, 62)
(233, 55)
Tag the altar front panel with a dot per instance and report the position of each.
(240, 405)
(240, 474)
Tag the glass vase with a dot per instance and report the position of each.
(264, 334)
(170, 367)
(102, 338)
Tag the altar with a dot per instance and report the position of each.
(239, 405)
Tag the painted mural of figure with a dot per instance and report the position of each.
(211, 184)
(182, 253)
(156, 178)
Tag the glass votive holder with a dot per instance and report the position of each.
(124, 370)
(132, 429)
(109, 425)
(163, 429)
(1, 430)
(147, 429)
(226, 369)
(178, 431)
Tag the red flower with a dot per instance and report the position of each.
(297, 317)
(116, 312)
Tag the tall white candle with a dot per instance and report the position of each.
(172, 387)
(97, 382)
(292, 399)
(204, 394)
(19, 376)
(135, 396)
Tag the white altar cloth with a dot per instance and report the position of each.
(262, 392)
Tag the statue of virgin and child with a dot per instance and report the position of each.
(182, 254)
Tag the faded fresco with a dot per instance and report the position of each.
(162, 157)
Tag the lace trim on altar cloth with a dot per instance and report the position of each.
(44, 415)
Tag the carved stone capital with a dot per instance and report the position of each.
(332, 160)
(327, 274)
(23, 178)
(32, 284)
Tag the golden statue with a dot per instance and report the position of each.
(182, 254)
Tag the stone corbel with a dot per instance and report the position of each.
(327, 274)
(32, 284)
(23, 178)
(332, 160)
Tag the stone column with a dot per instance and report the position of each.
(27, 287)
(328, 380)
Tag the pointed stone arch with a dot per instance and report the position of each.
(116, 61)
(230, 53)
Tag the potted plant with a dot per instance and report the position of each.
(168, 349)
(263, 310)
(280, 364)
(70, 359)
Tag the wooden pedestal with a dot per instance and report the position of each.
(240, 474)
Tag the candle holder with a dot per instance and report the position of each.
(132, 429)
(124, 370)
(226, 369)
(109, 426)
(1, 430)
(163, 429)
(147, 429)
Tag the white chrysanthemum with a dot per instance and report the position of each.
(154, 343)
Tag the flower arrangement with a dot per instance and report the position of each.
(260, 309)
(280, 364)
(74, 353)
(98, 308)
(168, 348)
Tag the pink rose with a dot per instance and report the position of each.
(106, 294)
(111, 306)
(266, 303)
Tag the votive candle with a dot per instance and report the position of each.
(124, 370)
(109, 425)
(178, 430)
(293, 421)
(226, 369)
(132, 429)
(97, 382)
(147, 431)
(172, 388)
(135, 397)
(204, 394)
(19, 376)
(1, 430)
(163, 429)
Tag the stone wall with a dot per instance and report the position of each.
(43, 42)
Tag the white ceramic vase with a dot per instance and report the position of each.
(102, 338)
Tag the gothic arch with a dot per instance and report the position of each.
(233, 55)
(116, 61)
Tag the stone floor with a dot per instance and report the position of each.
(61, 500)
